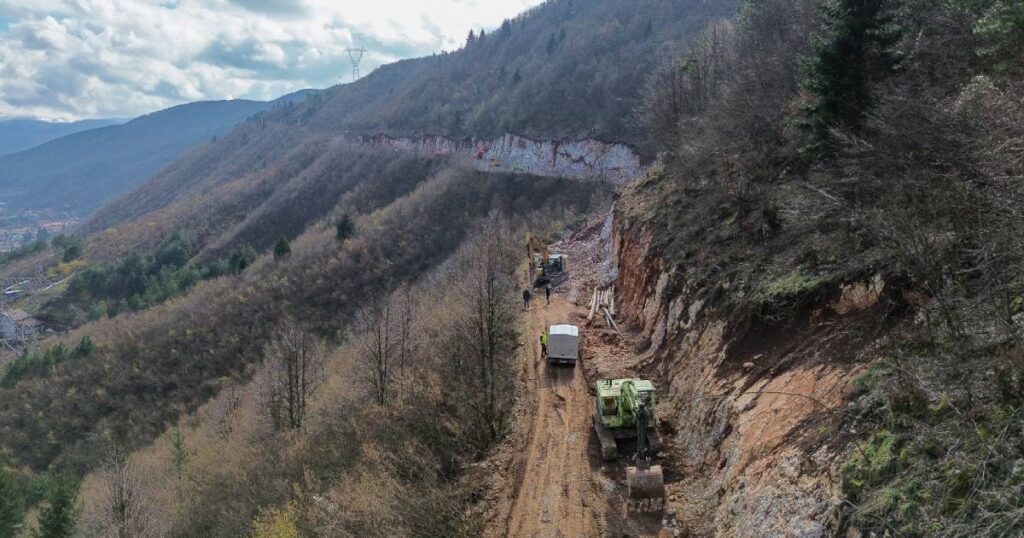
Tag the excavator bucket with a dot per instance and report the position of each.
(645, 489)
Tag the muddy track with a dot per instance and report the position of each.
(559, 495)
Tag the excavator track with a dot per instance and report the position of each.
(609, 450)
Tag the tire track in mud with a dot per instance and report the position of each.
(558, 496)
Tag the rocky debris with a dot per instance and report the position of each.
(588, 257)
(859, 295)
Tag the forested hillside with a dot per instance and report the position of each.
(287, 333)
(567, 70)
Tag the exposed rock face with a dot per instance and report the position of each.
(582, 159)
(747, 400)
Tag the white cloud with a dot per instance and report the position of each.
(69, 59)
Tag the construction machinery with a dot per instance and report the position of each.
(552, 267)
(626, 410)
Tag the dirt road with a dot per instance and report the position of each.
(560, 496)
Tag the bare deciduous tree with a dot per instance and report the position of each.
(486, 333)
(385, 341)
(293, 372)
(127, 492)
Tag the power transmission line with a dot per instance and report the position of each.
(356, 55)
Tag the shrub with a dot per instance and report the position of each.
(59, 516)
(276, 523)
(345, 228)
(12, 504)
(282, 248)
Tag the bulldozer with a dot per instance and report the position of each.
(552, 267)
(626, 410)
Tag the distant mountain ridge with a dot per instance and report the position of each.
(564, 71)
(79, 172)
(19, 134)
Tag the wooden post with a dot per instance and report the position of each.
(593, 307)
(611, 322)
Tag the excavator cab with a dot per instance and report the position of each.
(552, 268)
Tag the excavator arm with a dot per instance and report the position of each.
(536, 246)
(645, 484)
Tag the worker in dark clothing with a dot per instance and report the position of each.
(547, 293)
(526, 298)
(543, 344)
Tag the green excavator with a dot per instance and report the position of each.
(626, 410)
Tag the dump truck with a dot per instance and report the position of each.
(563, 344)
(552, 267)
(626, 409)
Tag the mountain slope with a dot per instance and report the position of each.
(21, 134)
(566, 70)
(80, 172)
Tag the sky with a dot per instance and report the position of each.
(63, 60)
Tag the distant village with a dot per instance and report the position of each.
(21, 227)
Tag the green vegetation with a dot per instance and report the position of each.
(59, 515)
(39, 363)
(345, 228)
(855, 54)
(1000, 27)
(23, 251)
(70, 247)
(282, 248)
(12, 504)
(179, 452)
(140, 281)
(276, 523)
(927, 468)
(792, 285)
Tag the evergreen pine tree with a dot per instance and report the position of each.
(1001, 33)
(282, 248)
(12, 504)
(345, 228)
(179, 452)
(58, 518)
(855, 53)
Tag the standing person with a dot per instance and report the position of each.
(547, 292)
(526, 298)
(543, 344)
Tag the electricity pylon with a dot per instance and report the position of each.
(356, 55)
